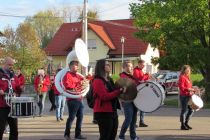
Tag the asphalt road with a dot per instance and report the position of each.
(163, 125)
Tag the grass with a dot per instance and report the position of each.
(174, 103)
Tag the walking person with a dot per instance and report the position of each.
(60, 101)
(186, 91)
(141, 77)
(73, 81)
(51, 92)
(9, 84)
(130, 110)
(106, 101)
(41, 86)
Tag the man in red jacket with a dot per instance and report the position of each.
(41, 86)
(72, 81)
(141, 77)
(9, 84)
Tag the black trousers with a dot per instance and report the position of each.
(12, 122)
(52, 99)
(108, 124)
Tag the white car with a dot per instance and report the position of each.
(169, 80)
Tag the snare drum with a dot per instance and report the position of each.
(22, 107)
(150, 96)
(195, 102)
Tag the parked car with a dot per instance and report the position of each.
(168, 79)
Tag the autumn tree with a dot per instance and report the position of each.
(181, 28)
(45, 23)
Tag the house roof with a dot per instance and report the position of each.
(99, 30)
(109, 31)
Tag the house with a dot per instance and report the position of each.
(104, 41)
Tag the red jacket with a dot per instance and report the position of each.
(139, 74)
(46, 83)
(184, 84)
(102, 96)
(4, 86)
(72, 81)
(21, 79)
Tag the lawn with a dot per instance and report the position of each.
(174, 103)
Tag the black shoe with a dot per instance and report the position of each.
(184, 127)
(142, 125)
(94, 122)
(67, 137)
(80, 137)
(188, 126)
(58, 120)
(61, 119)
(51, 109)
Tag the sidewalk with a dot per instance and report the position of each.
(163, 125)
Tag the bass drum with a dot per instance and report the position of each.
(195, 102)
(150, 96)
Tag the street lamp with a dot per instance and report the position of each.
(122, 41)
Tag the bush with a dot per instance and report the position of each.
(197, 80)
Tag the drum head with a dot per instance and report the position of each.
(197, 101)
(149, 97)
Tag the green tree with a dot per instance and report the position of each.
(181, 28)
(45, 23)
(22, 44)
(92, 15)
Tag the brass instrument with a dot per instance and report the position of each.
(40, 85)
(84, 84)
(80, 53)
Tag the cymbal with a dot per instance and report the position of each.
(131, 91)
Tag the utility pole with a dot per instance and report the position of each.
(84, 19)
(84, 31)
(122, 40)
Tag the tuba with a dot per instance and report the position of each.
(80, 53)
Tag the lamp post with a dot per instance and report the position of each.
(122, 41)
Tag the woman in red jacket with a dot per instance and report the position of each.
(106, 101)
(186, 91)
(41, 86)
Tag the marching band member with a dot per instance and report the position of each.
(73, 81)
(60, 101)
(21, 79)
(51, 92)
(186, 91)
(41, 85)
(106, 101)
(141, 77)
(130, 110)
(5, 76)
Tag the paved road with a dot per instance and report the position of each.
(163, 125)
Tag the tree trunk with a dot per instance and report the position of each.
(207, 84)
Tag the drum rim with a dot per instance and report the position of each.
(162, 99)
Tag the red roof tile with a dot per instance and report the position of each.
(63, 40)
(109, 31)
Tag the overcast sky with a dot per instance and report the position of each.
(108, 9)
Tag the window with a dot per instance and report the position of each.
(91, 44)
